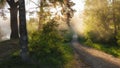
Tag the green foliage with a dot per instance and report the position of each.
(48, 48)
(101, 22)
(108, 48)
(89, 42)
(54, 1)
(118, 38)
(2, 3)
(115, 51)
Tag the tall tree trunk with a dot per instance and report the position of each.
(40, 15)
(13, 19)
(115, 23)
(14, 23)
(23, 31)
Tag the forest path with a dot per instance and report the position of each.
(93, 57)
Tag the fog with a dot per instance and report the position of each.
(77, 23)
(4, 29)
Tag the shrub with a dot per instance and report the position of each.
(118, 38)
(89, 42)
(47, 47)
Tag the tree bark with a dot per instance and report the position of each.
(14, 23)
(23, 31)
(13, 19)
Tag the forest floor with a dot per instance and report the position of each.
(85, 57)
(95, 58)
(7, 48)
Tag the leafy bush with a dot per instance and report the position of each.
(118, 38)
(110, 49)
(89, 42)
(47, 46)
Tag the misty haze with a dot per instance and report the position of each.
(4, 29)
(59, 33)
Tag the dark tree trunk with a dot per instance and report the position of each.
(13, 19)
(14, 23)
(23, 31)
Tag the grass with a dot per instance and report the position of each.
(14, 60)
(113, 50)
(9, 55)
(108, 48)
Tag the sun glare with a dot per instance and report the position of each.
(77, 22)
(79, 5)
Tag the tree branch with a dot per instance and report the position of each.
(17, 3)
(10, 2)
(35, 3)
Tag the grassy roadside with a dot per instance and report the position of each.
(108, 48)
(14, 60)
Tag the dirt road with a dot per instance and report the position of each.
(95, 58)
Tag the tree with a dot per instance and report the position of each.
(115, 7)
(13, 18)
(2, 3)
(102, 19)
(46, 5)
(23, 31)
(69, 11)
(97, 19)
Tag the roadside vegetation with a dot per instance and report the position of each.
(49, 48)
(102, 22)
(105, 47)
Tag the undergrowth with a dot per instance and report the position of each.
(48, 49)
(105, 47)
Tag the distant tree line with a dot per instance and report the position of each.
(102, 19)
